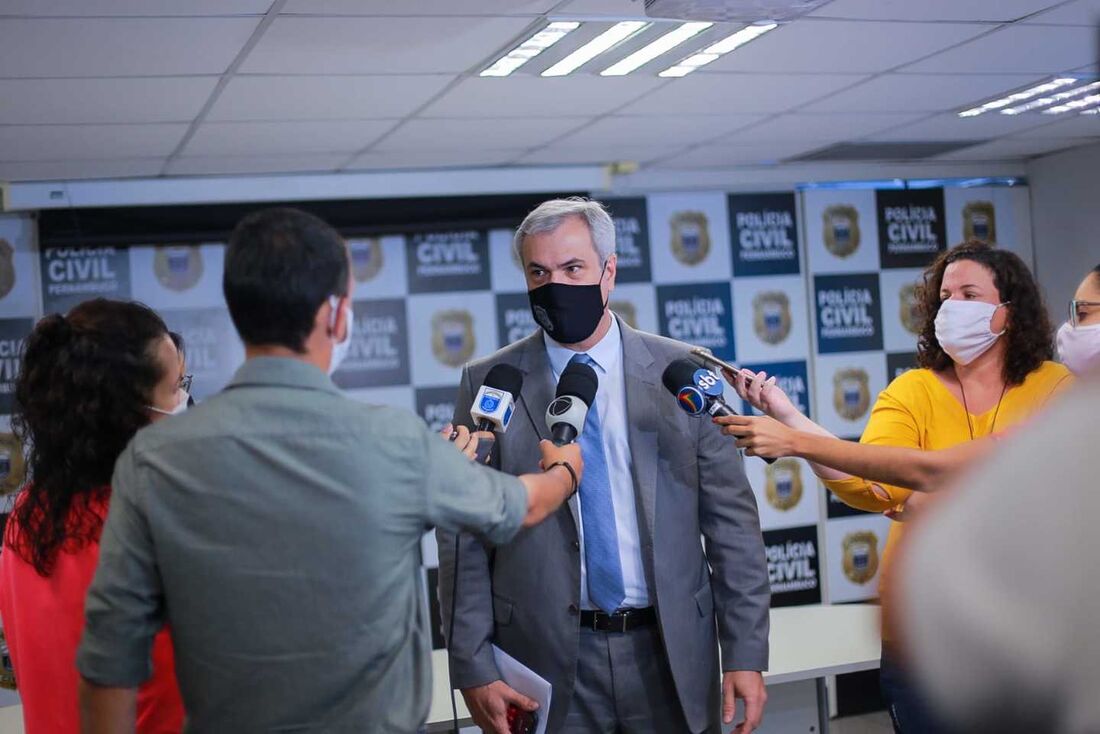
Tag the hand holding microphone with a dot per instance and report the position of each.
(493, 407)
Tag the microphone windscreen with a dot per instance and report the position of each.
(579, 380)
(505, 377)
(679, 373)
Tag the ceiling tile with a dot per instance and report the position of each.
(817, 46)
(486, 134)
(325, 97)
(136, 8)
(433, 159)
(1065, 126)
(89, 47)
(820, 128)
(922, 92)
(419, 7)
(1017, 49)
(58, 142)
(605, 8)
(227, 164)
(738, 93)
(950, 126)
(73, 169)
(537, 97)
(679, 130)
(284, 138)
(729, 156)
(1081, 12)
(136, 99)
(304, 45)
(563, 154)
(959, 10)
(1010, 149)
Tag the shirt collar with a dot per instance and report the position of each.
(284, 372)
(607, 353)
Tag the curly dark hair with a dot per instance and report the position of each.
(80, 397)
(1028, 336)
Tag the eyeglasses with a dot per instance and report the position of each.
(1080, 309)
(185, 383)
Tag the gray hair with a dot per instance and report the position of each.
(549, 215)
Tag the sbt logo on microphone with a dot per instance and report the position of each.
(448, 261)
(698, 314)
(849, 313)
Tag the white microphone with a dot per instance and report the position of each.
(495, 403)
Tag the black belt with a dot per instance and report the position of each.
(623, 620)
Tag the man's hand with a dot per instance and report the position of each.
(489, 705)
(747, 685)
(759, 435)
(468, 442)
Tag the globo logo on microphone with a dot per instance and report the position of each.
(691, 400)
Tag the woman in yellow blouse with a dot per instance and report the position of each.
(984, 350)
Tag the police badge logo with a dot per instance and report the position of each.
(860, 556)
(626, 311)
(178, 268)
(841, 229)
(690, 237)
(12, 467)
(909, 308)
(771, 316)
(453, 340)
(980, 222)
(851, 393)
(783, 484)
(366, 258)
(7, 268)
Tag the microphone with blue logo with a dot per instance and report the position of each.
(568, 410)
(495, 403)
(697, 389)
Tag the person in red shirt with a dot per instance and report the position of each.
(88, 382)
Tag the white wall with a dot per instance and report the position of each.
(1065, 215)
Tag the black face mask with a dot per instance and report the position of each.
(568, 313)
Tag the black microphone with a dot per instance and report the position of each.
(697, 389)
(575, 395)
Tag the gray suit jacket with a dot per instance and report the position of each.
(689, 482)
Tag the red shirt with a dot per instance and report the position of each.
(43, 619)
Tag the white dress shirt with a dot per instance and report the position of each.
(611, 406)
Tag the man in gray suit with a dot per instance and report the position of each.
(613, 599)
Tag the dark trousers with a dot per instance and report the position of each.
(909, 710)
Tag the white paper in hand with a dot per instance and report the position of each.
(526, 681)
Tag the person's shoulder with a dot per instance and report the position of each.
(662, 348)
(1048, 378)
(911, 383)
(505, 355)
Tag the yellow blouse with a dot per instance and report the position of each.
(917, 411)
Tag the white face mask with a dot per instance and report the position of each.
(340, 348)
(962, 329)
(1079, 347)
(181, 406)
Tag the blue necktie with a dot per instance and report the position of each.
(601, 541)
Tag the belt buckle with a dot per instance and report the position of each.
(596, 620)
(622, 620)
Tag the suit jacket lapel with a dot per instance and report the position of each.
(642, 435)
(538, 391)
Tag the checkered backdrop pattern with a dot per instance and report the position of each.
(814, 288)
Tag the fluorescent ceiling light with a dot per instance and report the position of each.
(1077, 104)
(613, 36)
(1012, 99)
(714, 51)
(530, 48)
(1047, 101)
(662, 45)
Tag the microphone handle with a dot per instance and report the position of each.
(486, 425)
(563, 433)
(719, 407)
